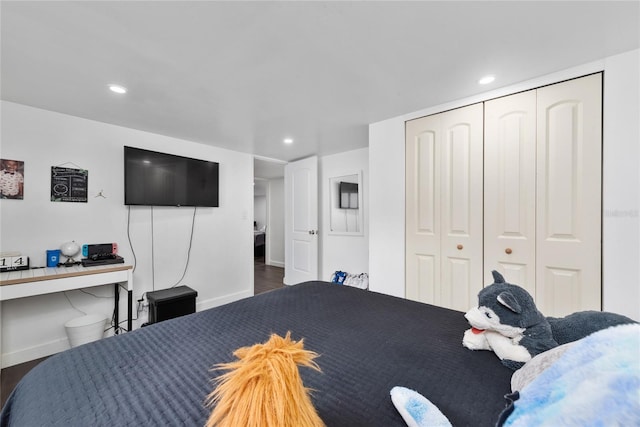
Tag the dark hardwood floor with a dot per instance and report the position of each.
(266, 278)
(13, 374)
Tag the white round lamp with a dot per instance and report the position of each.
(70, 249)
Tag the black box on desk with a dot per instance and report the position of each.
(169, 303)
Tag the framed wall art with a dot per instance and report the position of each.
(11, 179)
(69, 185)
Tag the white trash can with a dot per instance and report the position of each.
(85, 329)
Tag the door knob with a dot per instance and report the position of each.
(460, 247)
(508, 251)
(312, 231)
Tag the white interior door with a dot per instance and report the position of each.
(461, 199)
(301, 221)
(444, 208)
(569, 196)
(510, 189)
(422, 213)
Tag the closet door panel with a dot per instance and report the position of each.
(422, 150)
(561, 287)
(457, 277)
(461, 241)
(569, 201)
(510, 189)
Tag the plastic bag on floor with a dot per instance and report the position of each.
(360, 281)
(338, 277)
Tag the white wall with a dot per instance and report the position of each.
(260, 211)
(386, 207)
(275, 228)
(621, 184)
(348, 253)
(621, 200)
(221, 261)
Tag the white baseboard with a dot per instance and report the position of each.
(215, 302)
(36, 352)
(276, 263)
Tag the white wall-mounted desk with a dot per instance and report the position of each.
(40, 281)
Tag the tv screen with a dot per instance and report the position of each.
(348, 195)
(158, 179)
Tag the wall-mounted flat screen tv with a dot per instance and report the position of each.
(159, 179)
(348, 195)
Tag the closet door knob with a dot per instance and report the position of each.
(460, 247)
(508, 251)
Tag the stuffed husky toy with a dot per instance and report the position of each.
(263, 387)
(508, 322)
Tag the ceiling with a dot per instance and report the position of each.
(246, 75)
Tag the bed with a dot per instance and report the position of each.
(368, 343)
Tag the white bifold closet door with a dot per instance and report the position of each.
(444, 208)
(542, 195)
(510, 189)
(569, 197)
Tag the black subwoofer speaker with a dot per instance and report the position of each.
(169, 303)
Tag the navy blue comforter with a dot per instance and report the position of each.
(368, 343)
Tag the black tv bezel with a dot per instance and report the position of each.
(175, 156)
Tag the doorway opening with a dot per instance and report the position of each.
(268, 224)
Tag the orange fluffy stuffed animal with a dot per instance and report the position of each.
(263, 387)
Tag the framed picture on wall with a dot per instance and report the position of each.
(68, 184)
(11, 179)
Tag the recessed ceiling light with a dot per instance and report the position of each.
(486, 80)
(118, 89)
(288, 141)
